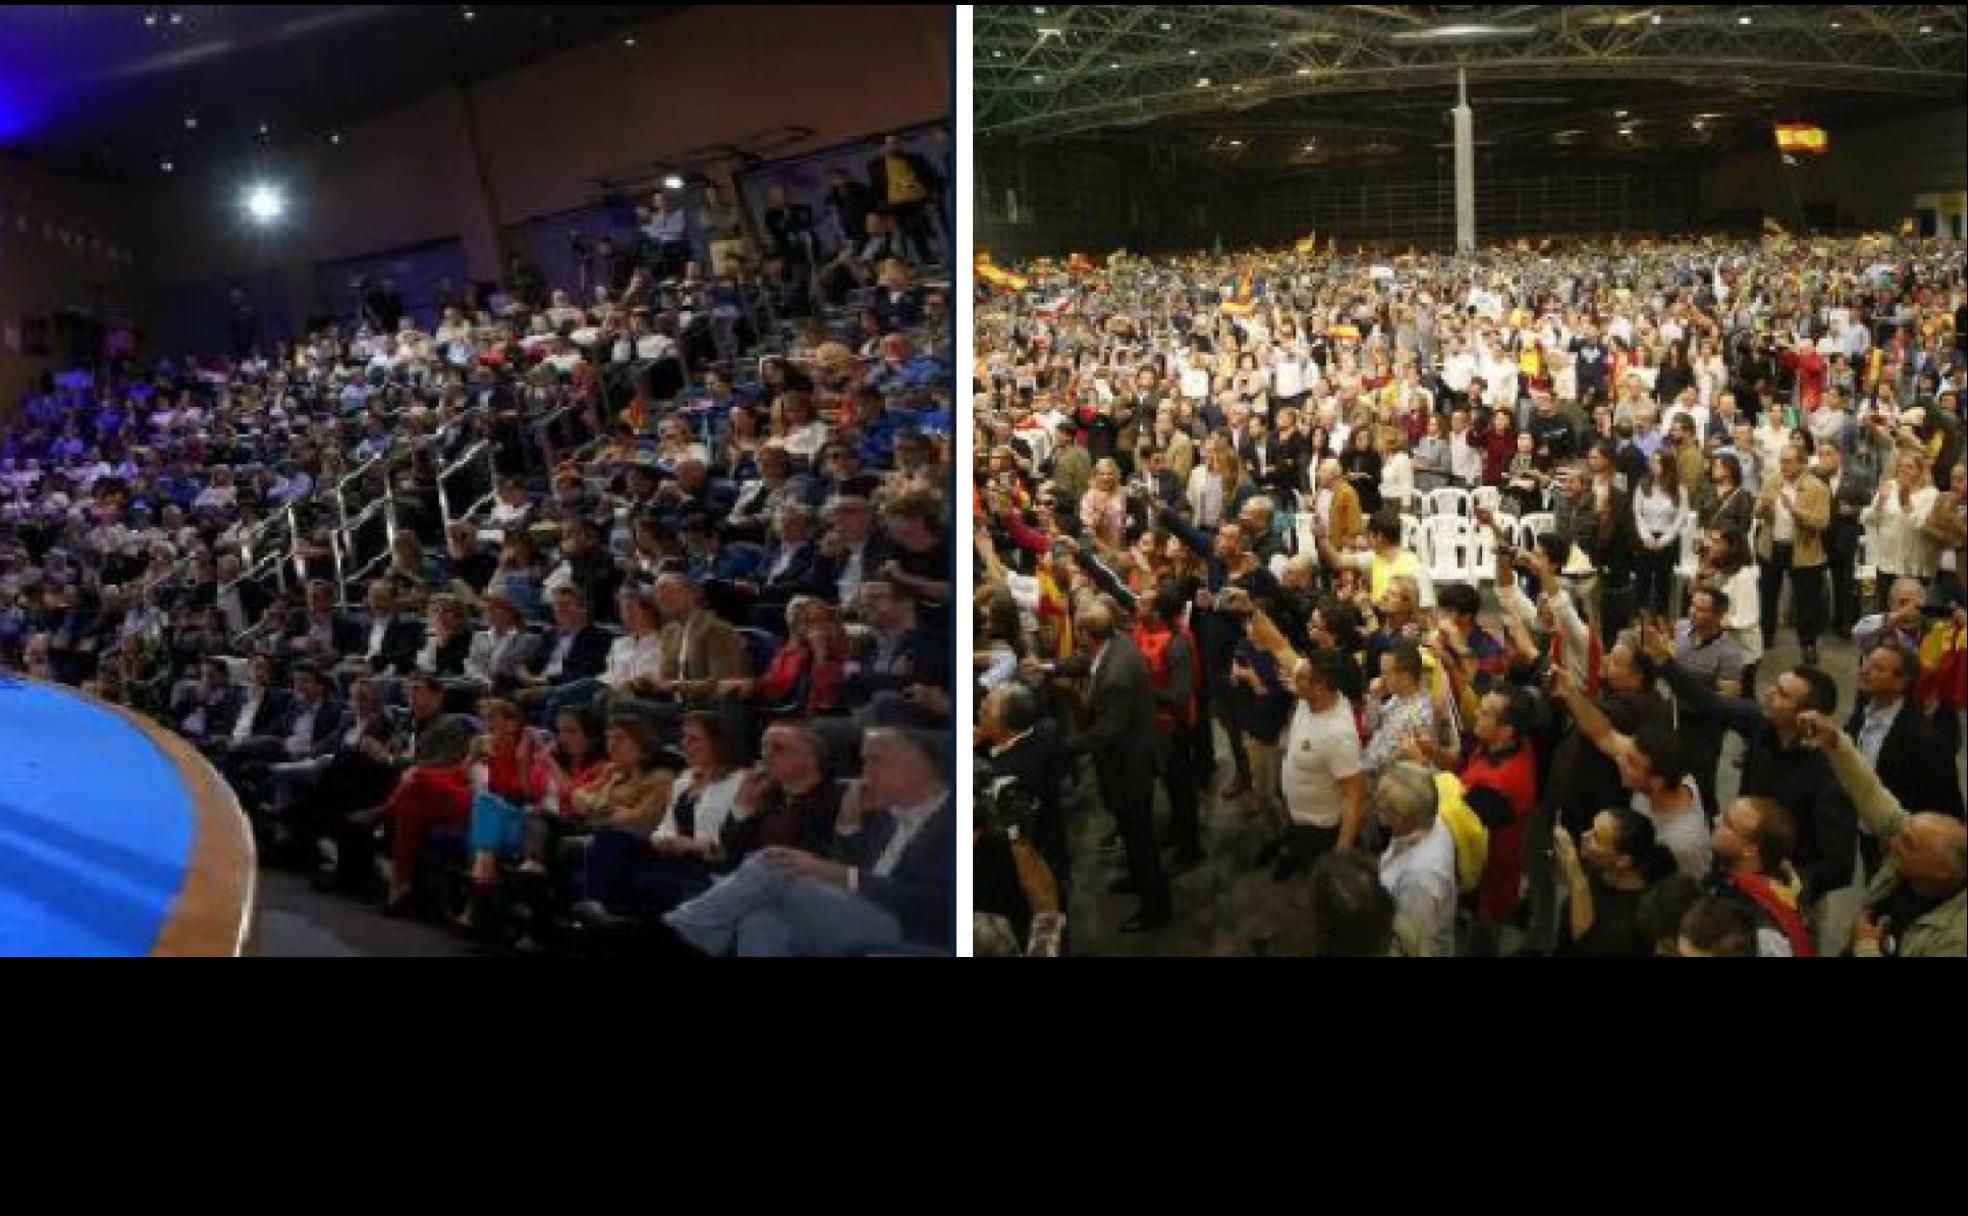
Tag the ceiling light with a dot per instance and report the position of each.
(265, 204)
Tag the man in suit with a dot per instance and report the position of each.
(1345, 519)
(1122, 700)
(1263, 457)
(890, 885)
(853, 552)
(907, 658)
(699, 651)
(500, 655)
(586, 564)
(1795, 511)
(574, 652)
(319, 633)
(262, 710)
(1901, 743)
(205, 713)
(391, 641)
(1851, 495)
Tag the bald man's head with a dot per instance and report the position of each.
(1097, 625)
(1932, 852)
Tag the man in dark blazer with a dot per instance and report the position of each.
(575, 651)
(1121, 697)
(391, 642)
(1901, 743)
(319, 632)
(1851, 494)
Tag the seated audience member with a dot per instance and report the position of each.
(153, 517)
(888, 886)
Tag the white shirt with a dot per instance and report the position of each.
(1685, 835)
(1878, 725)
(1465, 460)
(632, 659)
(1786, 529)
(242, 730)
(1902, 549)
(909, 824)
(1322, 751)
(715, 805)
(1420, 874)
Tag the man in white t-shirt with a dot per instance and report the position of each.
(1324, 782)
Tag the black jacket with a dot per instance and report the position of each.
(1798, 779)
(403, 641)
(1855, 493)
(1915, 763)
(586, 660)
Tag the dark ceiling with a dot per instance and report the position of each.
(1284, 88)
(111, 91)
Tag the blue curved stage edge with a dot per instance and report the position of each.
(96, 830)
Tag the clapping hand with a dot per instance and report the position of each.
(1565, 849)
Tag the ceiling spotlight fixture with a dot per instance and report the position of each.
(265, 204)
(674, 182)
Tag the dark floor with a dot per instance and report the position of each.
(298, 922)
(1228, 908)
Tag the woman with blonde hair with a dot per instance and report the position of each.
(1897, 518)
(1215, 486)
(1104, 512)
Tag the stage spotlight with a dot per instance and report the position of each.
(265, 205)
(673, 182)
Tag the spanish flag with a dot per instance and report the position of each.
(1802, 139)
(1240, 305)
(991, 274)
(1080, 265)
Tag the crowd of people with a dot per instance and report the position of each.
(1460, 584)
(618, 625)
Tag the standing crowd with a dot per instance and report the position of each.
(1460, 585)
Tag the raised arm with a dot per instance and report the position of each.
(1592, 722)
(1878, 809)
(1191, 537)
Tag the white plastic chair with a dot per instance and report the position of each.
(1449, 502)
(1486, 499)
(1449, 542)
(1869, 558)
(1483, 555)
(1534, 526)
(1414, 538)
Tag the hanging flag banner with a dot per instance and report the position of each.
(1802, 139)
